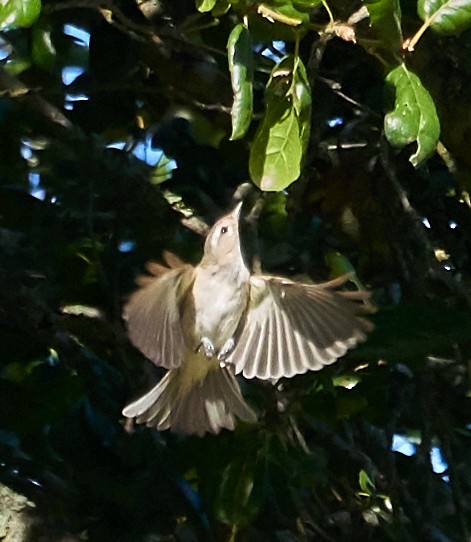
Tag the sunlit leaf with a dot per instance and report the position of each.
(221, 8)
(281, 138)
(275, 156)
(340, 265)
(240, 57)
(447, 17)
(302, 102)
(385, 18)
(18, 13)
(414, 117)
(163, 170)
(366, 483)
(205, 5)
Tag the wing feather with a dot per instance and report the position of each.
(153, 316)
(290, 328)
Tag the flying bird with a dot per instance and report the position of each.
(209, 323)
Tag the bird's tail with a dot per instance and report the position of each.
(209, 406)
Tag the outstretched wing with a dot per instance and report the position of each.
(153, 314)
(291, 328)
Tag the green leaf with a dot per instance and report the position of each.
(162, 170)
(276, 152)
(42, 48)
(414, 117)
(221, 8)
(385, 18)
(282, 136)
(306, 4)
(18, 13)
(233, 504)
(302, 101)
(340, 265)
(205, 5)
(240, 57)
(366, 483)
(448, 17)
(17, 65)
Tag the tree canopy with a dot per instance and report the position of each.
(127, 126)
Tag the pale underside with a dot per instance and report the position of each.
(288, 328)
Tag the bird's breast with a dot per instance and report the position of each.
(220, 300)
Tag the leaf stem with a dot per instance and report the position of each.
(296, 46)
(410, 44)
(327, 8)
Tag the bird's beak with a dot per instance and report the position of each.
(236, 212)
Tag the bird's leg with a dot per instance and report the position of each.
(208, 347)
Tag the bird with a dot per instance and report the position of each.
(208, 323)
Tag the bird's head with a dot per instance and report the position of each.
(222, 244)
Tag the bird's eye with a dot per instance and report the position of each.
(224, 229)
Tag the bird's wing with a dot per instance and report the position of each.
(291, 328)
(153, 314)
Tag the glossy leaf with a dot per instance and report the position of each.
(414, 117)
(281, 139)
(205, 5)
(448, 17)
(18, 13)
(276, 152)
(221, 8)
(240, 57)
(385, 18)
(302, 102)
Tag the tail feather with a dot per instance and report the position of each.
(209, 406)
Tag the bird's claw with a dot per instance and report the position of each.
(208, 347)
(226, 349)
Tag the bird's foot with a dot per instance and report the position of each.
(208, 347)
(226, 349)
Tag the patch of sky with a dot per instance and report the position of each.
(34, 185)
(116, 145)
(26, 152)
(407, 447)
(126, 245)
(81, 36)
(152, 156)
(278, 46)
(403, 446)
(336, 121)
(5, 49)
(426, 223)
(439, 465)
(70, 73)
